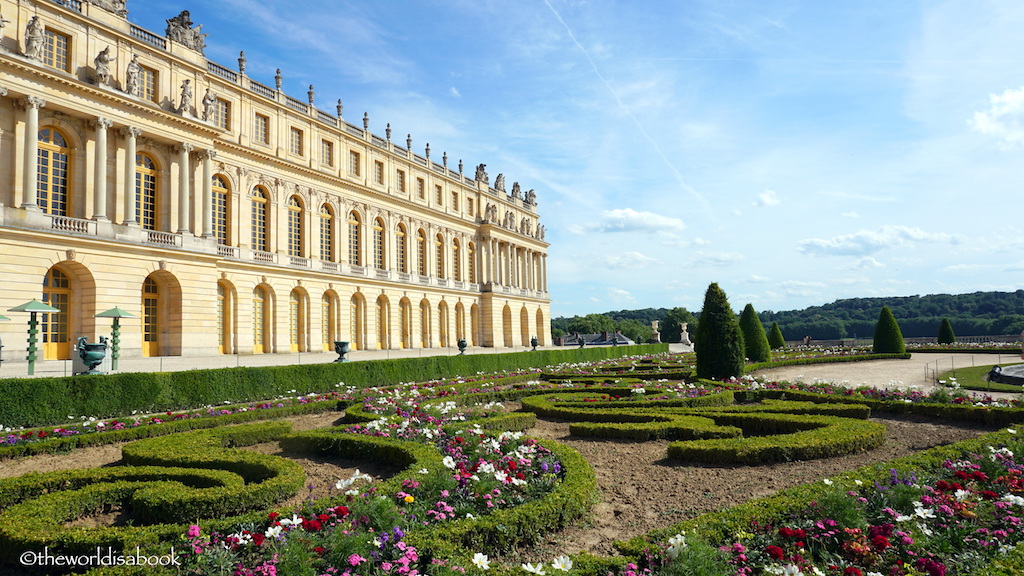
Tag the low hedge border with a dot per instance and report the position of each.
(781, 438)
(32, 402)
(61, 444)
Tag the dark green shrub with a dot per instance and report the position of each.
(755, 341)
(719, 344)
(946, 335)
(775, 338)
(888, 338)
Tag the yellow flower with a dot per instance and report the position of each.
(409, 499)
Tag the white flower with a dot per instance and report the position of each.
(448, 462)
(962, 495)
(562, 563)
(424, 471)
(273, 532)
(533, 568)
(676, 545)
(481, 561)
(1013, 499)
(791, 570)
(827, 481)
(1011, 430)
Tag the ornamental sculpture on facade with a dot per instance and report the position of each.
(481, 174)
(499, 182)
(34, 39)
(131, 82)
(116, 6)
(102, 65)
(180, 30)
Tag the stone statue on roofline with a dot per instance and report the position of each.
(517, 192)
(499, 182)
(531, 198)
(115, 6)
(481, 174)
(180, 30)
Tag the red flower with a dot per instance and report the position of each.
(775, 552)
(311, 525)
(851, 571)
(341, 511)
(989, 495)
(880, 542)
(257, 538)
(319, 550)
(272, 516)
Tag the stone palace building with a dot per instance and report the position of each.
(229, 216)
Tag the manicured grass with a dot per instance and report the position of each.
(976, 378)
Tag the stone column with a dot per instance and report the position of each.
(31, 167)
(131, 136)
(184, 172)
(208, 156)
(100, 186)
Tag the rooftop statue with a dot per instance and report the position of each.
(115, 6)
(180, 30)
(499, 182)
(481, 174)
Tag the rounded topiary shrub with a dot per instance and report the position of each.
(755, 341)
(719, 344)
(775, 338)
(888, 337)
(946, 335)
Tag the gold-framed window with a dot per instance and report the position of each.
(326, 233)
(400, 258)
(471, 262)
(148, 84)
(354, 163)
(378, 244)
(439, 195)
(327, 153)
(294, 226)
(354, 249)
(221, 218)
(56, 47)
(421, 252)
(421, 188)
(378, 172)
(146, 192)
(439, 256)
(221, 114)
(258, 225)
(53, 172)
(456, 263)
(400, 180)
(295, 142)
(261, 129)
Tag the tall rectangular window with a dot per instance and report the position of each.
(296, 142)
(327, 153)
(439, 195)
(55, 50)
(353, 163)
(378, 172)
(147, 84)
(400, 180)
(421, 188)
(455, 201)
(469, 206)
(261, 129)
(221, 114)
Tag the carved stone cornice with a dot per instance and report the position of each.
(130, 132)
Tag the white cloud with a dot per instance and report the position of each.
(767, 198)
(866, 263)
(455, 92)
(851, 215)
(629, 220)
(627, 260)
(620, 295)
(1004, 118)
(716, 258)
(756, 279)
(865, 242)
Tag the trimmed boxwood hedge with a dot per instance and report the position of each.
(30, 402)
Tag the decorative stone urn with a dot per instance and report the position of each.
(92, 354)
(341, 348)
(534, 342)
(462, 346)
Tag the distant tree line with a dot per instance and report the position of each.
(975, 314)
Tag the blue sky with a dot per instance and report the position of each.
(794, 151)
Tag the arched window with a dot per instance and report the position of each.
(439, 256)
(357, 315)
(326, 234)
(378, 244)
(406, 307)
(54, 326)
(400, 259)
(329, 314)
(421, 252)
(260, 315)
(294, 226)
(146, 204)
(225, 318)
(297, 321)
(442, 323)
(354, 249)
(471, 261)
(383, 318)
(425, 323)
(53, 172)
(221, 218)
(150, 318)
(456, 262)
(260, 240)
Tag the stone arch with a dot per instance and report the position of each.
(425, 324)
(357, 321)
(382, 315)
(330, 319)
(443, 322)
(161, 300)
(540, 328)
(474, 325)
(262, 321)
(70, 286)
(506, 326)
(406, 308)
(524, 326)
(227, 317)
(298, 320)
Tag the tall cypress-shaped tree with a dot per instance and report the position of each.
(775, 338)
(946, 335)
(755, 341)
(719, 344)
(888, 337)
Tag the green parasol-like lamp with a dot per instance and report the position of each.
(115, 332)
(33, 308)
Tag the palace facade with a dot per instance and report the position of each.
(231, 217)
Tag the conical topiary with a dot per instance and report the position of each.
(755, 341)
(946, 335)
(775, 338)
(888, 337)
(719, 344)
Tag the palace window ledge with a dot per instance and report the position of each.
(67, 226)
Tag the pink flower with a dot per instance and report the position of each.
(356, 560)
(193, 531)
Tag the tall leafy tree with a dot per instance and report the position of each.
(775, 338)
(946, 335)
(755, 341)
(888, 338)
(719, 343)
